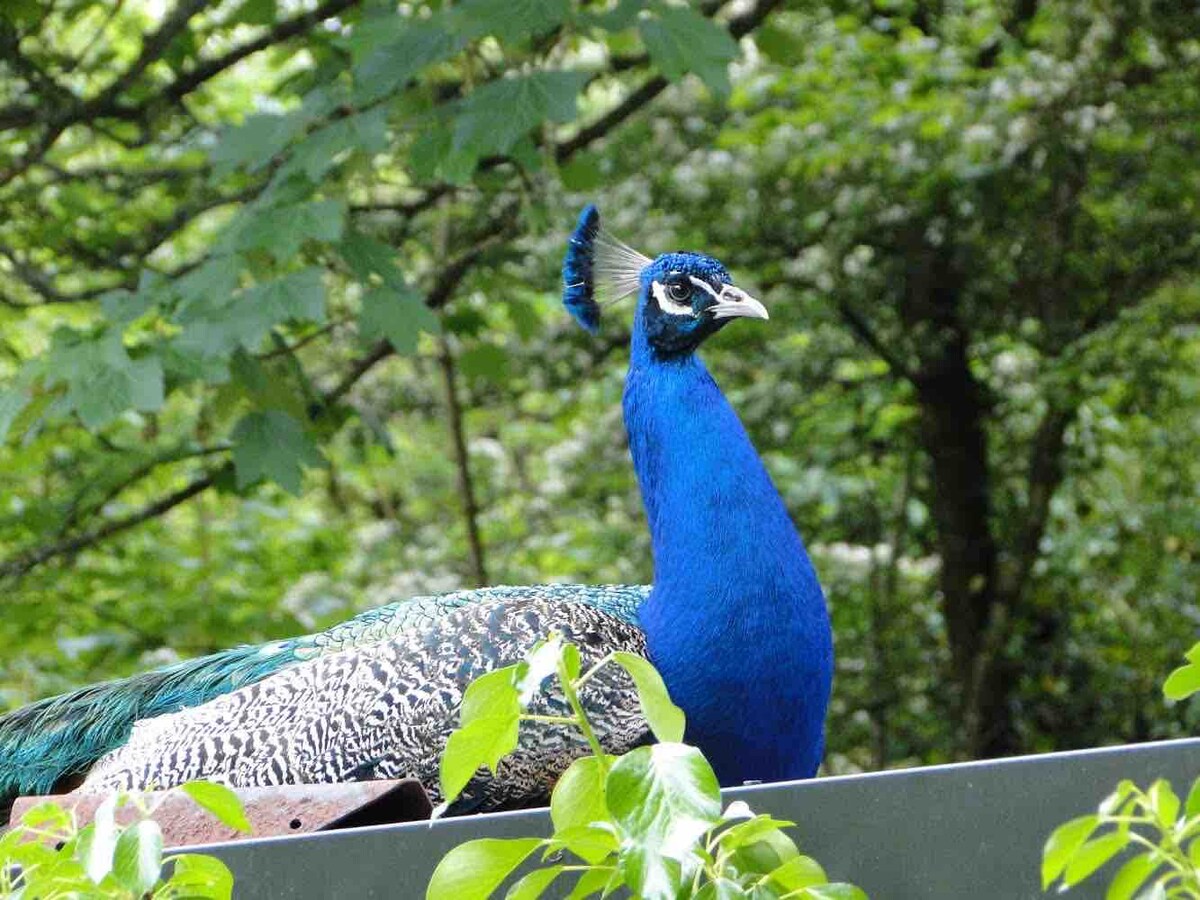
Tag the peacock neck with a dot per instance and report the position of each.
(736, 621)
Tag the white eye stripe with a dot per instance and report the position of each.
(666, 304)
(701, 283)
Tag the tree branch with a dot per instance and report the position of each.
(283, 31)
(25, 562)
(739, 26)
(863, 331)
(443, 289)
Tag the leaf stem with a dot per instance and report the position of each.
(553, 720)
(581, 719)
(588, 675)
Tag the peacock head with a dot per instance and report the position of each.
(683, 297)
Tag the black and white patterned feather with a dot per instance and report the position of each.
(386, 710)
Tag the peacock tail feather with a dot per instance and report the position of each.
(59, 737)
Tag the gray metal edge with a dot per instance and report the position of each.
(950, 831)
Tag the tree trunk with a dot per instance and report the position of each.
(953, 433)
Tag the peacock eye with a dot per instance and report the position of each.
(679, 292)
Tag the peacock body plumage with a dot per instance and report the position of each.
(735, 621)
(386, 710)
(52, 742)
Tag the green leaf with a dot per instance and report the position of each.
(138, 857)
(102, 380)
(595, 881)
(46, 816)
(265, 389)
(492, 694)
(496, 115)
(98, 841)
(1131, 876)
(621, 16)
(12, 402)
(401, 49)
(721, 889)
(281, 230)
(257, 12)
(834, 891)
(102, 397)
(1182, 683)
(582, 173)
(197, 875)
(663, 798)
(399, 315)
(578, 798)
(121, 307)
(1115, 802)
(1191, 807)
(591, 843)
(472, 871)
(483, 742)
(778, 44)
(666, 719)
(485, 361)
(738, 809)
(364, 133)
(213, 282)
(1164, 803)
(1092, 855)
(216, 327)
(271, 445)
(534, 884)
(680, 40)
(370, 259)
(571, 661)
(219, 800)
(800, 872)
(1062, 844)
(771, 850)
(22, 12)
(255, 142)
(510, 20)
(751, 831)
(146, 375)
(539, 664)
(298, 295)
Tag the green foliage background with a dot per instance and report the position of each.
(280, 336)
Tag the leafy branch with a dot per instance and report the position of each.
(49, 854)
(1162, 831)
(650, 821)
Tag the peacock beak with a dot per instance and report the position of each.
(737, 304)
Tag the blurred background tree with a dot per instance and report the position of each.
(280, 335)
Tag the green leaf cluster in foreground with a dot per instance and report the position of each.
(650, 821)
(1153, 823)
(1160, 830)
(47, 854)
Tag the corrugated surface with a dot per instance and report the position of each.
(973, 830)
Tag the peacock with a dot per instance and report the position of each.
(735, 621)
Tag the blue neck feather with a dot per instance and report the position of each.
(736, 621)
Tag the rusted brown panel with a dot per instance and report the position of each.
(272, 811)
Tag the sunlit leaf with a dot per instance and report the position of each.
(1061, 846)
(471, 871)
(219, 800)
(663, 798)
(137, 859)
(666, 719)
